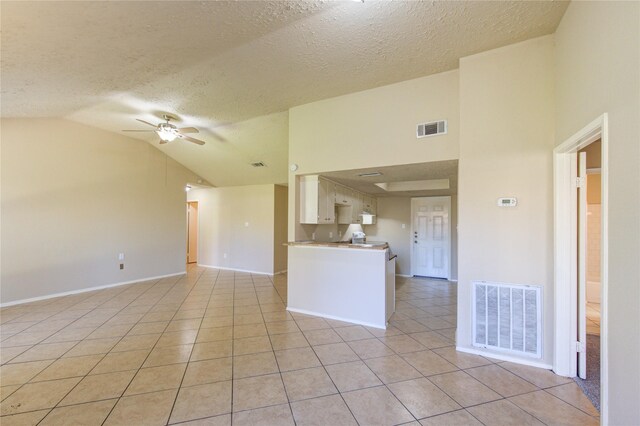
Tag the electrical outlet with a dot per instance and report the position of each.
(122, 266)
(330, 234)
(313, 236)
(224, 255)
(404, 226)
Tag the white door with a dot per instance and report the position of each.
(431, 238)
(582, 264)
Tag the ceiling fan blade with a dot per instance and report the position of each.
(146, 122)
(138, 130)
(194, 140)
(189, 130)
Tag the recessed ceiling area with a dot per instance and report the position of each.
(408, 180)
(235, 68)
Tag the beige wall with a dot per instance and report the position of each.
(73, 197)
(280, 229)
(238, 222)
(371, 128)
(392, 213)
(594, 239)
(594, 188)
(506, 141)
(598, 71)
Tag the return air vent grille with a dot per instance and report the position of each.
(507, 318)
(431, 129)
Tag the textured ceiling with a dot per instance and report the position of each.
(212, 63)
(401, 173)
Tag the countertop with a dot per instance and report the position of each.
(370, 245)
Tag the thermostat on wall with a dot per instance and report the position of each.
(507, 202)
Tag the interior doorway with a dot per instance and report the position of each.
(431, 237)
(192, 232)
(581, 259)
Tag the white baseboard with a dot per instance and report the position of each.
(403, 275)
(236, 269)
(85, 290)
(503, 357)
(333, 317)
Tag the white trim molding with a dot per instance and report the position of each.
(88, 289)
(503, 357)
(565, 243)
(333, 317)
(236, 270)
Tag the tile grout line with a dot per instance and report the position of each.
(169, 289)
(192, 347)
(61, 356)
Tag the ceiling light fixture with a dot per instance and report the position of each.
(187, 188)
(167, 132)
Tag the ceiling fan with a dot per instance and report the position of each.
(168, 132)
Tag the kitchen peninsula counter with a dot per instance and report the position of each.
(372, 245)
(343, 281)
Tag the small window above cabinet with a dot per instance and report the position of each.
(317, 200)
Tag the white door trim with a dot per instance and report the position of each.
(565, 246)
(413, 261)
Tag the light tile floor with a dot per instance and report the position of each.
(215, 347)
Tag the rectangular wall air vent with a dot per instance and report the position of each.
(507, 318)
(258, 164)
(431, 129)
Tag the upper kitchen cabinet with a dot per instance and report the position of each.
(369, 205)
(343, 195)
(356, 208)
(317, 200)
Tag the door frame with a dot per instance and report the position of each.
(197, 231)
(565, 247)
(413, 261)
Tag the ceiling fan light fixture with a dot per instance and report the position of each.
(167, 134)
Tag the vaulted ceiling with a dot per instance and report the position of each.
(233, 69)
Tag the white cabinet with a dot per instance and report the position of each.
(369, 206)
(320, 198)
(356, 208)
(343, 195)
(326, 201)
(317, 200)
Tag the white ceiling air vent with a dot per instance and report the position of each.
(431, 129)
(258, 164)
